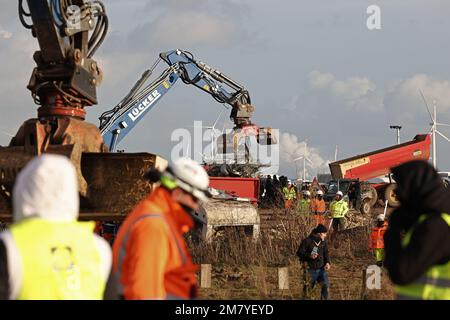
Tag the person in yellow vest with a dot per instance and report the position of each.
(46, 254)
(290, 195)
(338, 210)
(417, 242)
(304, 205)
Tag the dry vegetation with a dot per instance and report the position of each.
(245, 269)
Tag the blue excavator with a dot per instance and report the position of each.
(116, 123)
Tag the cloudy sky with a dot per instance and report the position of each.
(313, 69)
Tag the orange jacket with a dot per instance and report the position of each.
(318, 206)
(377, 237)
(150, 257)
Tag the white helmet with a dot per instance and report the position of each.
(188, 175)
(380, 217)
(320, 193)
(339, 193)
(307, 193)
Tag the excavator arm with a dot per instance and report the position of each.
(116, 123)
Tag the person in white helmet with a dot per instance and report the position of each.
(377, 239)
(150, 256)
(318, 208)
(290, 194)
(304, 205)
(338, 209)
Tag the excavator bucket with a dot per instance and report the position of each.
(114, 181)
(110, 184)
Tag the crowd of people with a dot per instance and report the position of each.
(46, 253)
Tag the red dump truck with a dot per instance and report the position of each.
(351, 175)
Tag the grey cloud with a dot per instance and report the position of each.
(404, 101)
(353, 92)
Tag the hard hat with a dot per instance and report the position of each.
(188, 175)
(320, 193)
(380, 217)
(339, 193)
(307, 193)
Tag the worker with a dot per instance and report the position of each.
(338, 209)
(314, 251)
(377, 239)
(318, 208)
(290, 194)
(417, 242)
(150, 256)
(47, 254)
(304, 205)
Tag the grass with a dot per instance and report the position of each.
(244, 269)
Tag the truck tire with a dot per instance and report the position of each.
(374, 198)
(391, 196)
(366, 207)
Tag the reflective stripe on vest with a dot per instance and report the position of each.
(60, 260)
(338, 209)
(123, 246)
(435, 283)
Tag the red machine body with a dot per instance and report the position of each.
(379, 162)
(239, 187)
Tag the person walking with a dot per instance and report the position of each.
(417, 241)
(318, 208)
(150, 256)
(377, 239)
(47, 254)
(314, 252)
(338, 209)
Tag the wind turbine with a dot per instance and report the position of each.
(335, 153)
(213, 137)
(434, 127)
(305, 158)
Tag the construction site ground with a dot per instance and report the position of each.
(242, 269)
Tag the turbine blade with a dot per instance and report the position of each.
(426, 104)
(442, 135)
(215, 122)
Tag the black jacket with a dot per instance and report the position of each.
(307, 246)
(420, 191)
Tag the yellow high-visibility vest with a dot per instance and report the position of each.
(289, 194)
(338, 208)
(435, 283)
(60, 260)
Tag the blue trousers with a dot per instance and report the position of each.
(320, 276)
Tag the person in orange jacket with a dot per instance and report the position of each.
(318, 208)
(377, 240)
(150, 256)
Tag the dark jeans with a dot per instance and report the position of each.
(338, 224)
(320, 276)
